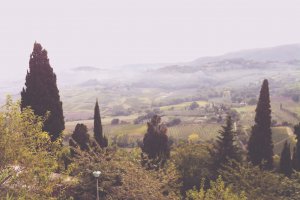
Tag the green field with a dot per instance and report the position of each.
(184, 105)
(193, 125)
(182, 131)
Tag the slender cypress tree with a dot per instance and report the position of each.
(260, 145)
(296, 152)
(98, 130)
(225, 148)
(41, 92)
(285, 166)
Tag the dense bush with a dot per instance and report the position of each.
(28, 158)
(217, 191)
(260, 184)
(193, 163)
(121, 177)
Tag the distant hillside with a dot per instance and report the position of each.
(263, 58)
(282, 53)
(86, 68)
(91, 82)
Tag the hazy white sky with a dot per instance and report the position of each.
(108, 33)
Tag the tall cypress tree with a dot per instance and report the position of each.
(296, 152)
(98, 130)
(285, 166)
(260, 145)
(225, 148)
(41, 92)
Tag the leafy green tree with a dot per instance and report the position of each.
(98, 130)
(285, 161)
(260, 144)
(80, 137)
(296, 152)
(260, 184)
(27, 155)
(225, 148)
(217, 191)
(121, 177)
(41, 92)
(193, 162)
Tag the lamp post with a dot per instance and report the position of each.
(96, 174)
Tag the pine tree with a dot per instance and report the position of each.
(285, 166)
(81, 137)
(296, 152)
(225, 148)
(41, 92)
(260, 145)
(98, 130)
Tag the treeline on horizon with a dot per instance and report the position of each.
(34, 163)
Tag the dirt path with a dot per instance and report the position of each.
(289, 131)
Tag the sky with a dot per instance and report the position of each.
(117, 32)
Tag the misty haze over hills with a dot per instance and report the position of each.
(205, 71)
(242, 67)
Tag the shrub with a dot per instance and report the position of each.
(217, 191)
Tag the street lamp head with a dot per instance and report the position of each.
(96, 174)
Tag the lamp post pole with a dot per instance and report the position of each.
(97, 188)
(96, 174)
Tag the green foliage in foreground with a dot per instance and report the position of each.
(193, 163)
(27, 158)
(217, 191)
(259, 184)
(122, 177)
